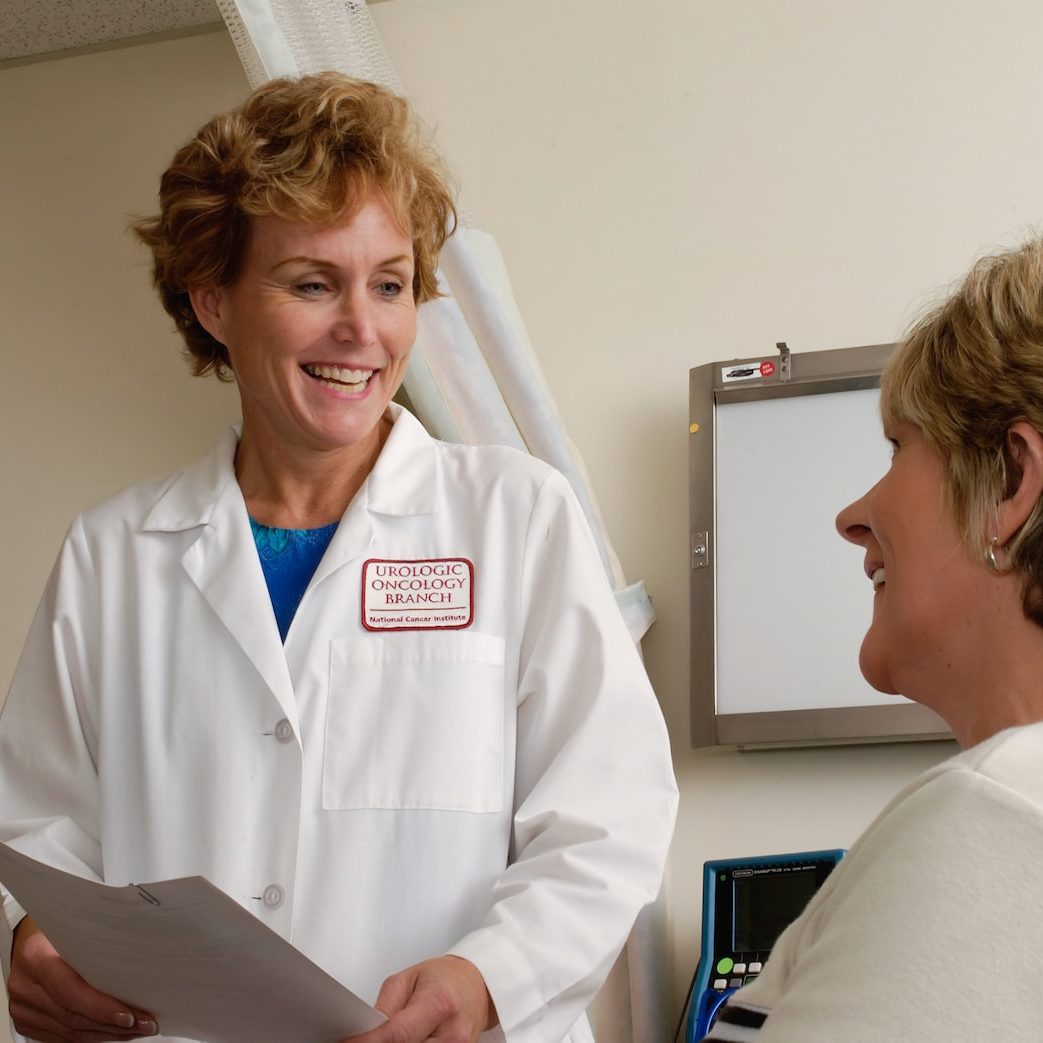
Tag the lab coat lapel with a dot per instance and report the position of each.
(401, 483)
(352, 539)
(224, 565)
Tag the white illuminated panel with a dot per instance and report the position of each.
(793, 601)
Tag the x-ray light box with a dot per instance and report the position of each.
(779, 602)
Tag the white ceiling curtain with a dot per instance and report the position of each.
(473, 378)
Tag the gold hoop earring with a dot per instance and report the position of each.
(990, 558)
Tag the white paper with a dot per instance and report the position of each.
(188, 954)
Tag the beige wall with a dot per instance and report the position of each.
(671, 183)
(94, 394)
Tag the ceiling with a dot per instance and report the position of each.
(32, 29)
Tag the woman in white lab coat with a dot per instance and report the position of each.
(921, 931)
(373, 686)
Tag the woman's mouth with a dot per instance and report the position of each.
(340, 378)
(878, 578)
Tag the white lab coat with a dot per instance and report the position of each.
(502, 792)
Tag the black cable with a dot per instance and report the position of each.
(687, 1002)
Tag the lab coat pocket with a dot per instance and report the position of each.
(415, 720)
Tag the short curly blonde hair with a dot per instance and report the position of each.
(964, 374)
(309, 149)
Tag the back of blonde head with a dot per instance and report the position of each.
(964, 374)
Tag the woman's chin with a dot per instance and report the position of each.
(875, 668)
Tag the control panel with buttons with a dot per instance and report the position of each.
(747, 903)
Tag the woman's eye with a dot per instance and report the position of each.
(311, 289)
(389, 288)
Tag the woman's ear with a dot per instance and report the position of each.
(207, 301)
(1026, 447)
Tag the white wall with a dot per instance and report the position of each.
(671, 182)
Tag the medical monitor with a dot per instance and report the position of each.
(747, 904)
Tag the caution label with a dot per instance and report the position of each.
(752, 370)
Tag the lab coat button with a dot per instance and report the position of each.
(284, 731)
(273, 896)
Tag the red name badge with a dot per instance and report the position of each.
(428, 594)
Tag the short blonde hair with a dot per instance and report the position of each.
(309, 149)
(964, 374)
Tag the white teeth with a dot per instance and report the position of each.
(348, 377)
(878, 578)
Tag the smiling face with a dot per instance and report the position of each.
(318, 326)
(927, 589)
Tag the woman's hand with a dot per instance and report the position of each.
(50, 1002)
(440, 999)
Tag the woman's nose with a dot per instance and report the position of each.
(355, 321)
(852, 522)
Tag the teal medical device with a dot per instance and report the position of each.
(747, 903)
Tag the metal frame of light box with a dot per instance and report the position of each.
(805, 373)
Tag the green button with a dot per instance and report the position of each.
(725, 964)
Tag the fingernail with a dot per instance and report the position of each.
(146, 1026)
(124, 1019)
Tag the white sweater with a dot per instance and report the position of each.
(932, 926)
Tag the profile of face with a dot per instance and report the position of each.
(926, 586)
(318, 326)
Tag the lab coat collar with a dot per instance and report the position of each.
(191, 498)
(402, 483)
(223, 563)
(403, 480)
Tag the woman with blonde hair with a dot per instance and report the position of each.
(373, 686)
(929, 928)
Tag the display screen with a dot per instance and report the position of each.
(766, 903)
